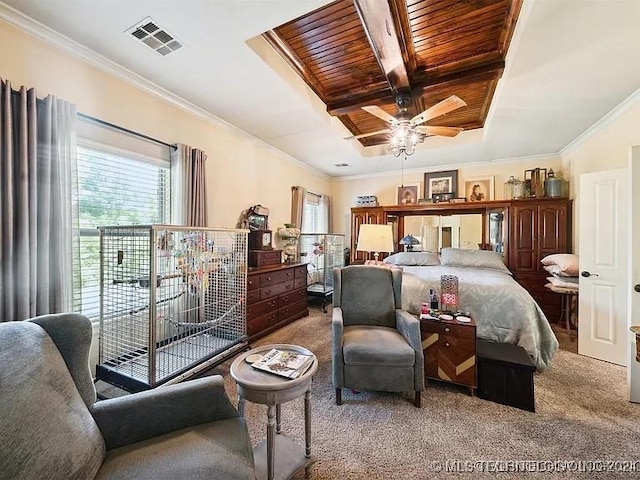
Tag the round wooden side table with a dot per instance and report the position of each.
(278, 456)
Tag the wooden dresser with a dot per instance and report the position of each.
(276, 295)
(450, 351)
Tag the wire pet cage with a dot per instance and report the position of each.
(172, 302)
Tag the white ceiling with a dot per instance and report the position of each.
(570, 63)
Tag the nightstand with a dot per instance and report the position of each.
(450, 351)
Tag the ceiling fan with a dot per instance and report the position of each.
(407, 131)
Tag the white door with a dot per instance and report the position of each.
(604, 248)
(633, 372)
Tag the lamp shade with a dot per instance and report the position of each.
(375, 238)
(409, 240)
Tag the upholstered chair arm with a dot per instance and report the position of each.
(409, 328)
(337, 333)
(137, 417)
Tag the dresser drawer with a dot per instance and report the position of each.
(272, 278)
(253, 282)
(300, 282)
(257, 309)
(256, 325)
(301, 272)
(295, 296)
(292, 309)
(253, 296)
(274, 290)
(467, 331)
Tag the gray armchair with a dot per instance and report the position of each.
(375, 344)
(51, 427)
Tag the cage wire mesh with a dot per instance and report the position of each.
(171, 298)
(322, 252)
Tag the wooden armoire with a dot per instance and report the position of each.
(533, 229)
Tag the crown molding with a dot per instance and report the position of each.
(606, 120)
(48, 35)
(364, 176)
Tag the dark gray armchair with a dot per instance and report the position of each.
(375, 344)
(51, 427)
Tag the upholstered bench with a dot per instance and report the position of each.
(505, 375)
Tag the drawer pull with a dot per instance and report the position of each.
(268, 279)
(268, 292)
(446, 344)
(288, 274)
(447, 330)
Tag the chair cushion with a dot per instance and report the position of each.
(373, 345)
(367, 296)
(46, 430)
(219, 449)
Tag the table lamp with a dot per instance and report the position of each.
(409, 241)
(375, 238)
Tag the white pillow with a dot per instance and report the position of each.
(374, 263)
(460, 257)
(414, 259)
(555, 270)
(567, 263)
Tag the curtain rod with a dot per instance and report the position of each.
(125, 130)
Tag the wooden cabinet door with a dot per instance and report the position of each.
(522, 241)
(359, 216)
(552, 230)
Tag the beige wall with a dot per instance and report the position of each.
(241, 171)
(345, 191)
(607, 148)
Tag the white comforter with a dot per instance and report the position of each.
(502, 309)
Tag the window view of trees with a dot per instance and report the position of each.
(111, 190)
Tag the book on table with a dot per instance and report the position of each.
(285, 363)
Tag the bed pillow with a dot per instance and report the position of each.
(555, 270)
(460, 257)
(378, 263)
(567, 263)
(413, 259)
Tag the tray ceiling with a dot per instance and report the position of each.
(447, 47)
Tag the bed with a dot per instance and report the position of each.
(503, 310)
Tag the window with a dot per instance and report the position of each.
(114, 187)
(315, 218)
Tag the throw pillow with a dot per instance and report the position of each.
(567, 263)
(460, 257)
(414, 259)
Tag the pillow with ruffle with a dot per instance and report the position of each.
(413, 259)
(461, 257)
(374, 263)
(567, 264)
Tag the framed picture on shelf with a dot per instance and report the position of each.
(408, 194)
(440, 182)
(442, 197)
(479, 189)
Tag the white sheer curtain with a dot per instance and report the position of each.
(188, 187)
(37, 160)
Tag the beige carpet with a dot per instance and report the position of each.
(581, 415)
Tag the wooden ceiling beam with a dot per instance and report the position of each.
(422, 82)
(380, 28)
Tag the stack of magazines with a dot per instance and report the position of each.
(288, 364)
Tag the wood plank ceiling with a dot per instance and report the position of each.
(448, 47)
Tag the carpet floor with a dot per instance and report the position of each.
(581, 417)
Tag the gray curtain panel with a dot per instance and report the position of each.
(189, 192)
(37, 158)
(298, 198)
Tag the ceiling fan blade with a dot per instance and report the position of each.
(363, 135)
(440, 131)
(445, 106)
(380, 113)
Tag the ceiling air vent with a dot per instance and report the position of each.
(154, 36)
(340, 165)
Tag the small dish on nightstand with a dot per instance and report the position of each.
(446, 316)
(256, 357)
(463, 319)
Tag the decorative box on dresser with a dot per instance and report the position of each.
(450, 351)
(539, 227)
(276, 295)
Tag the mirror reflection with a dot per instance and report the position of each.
(437, 231)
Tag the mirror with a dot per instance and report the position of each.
(435, 231)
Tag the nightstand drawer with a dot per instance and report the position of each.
(468, 331)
